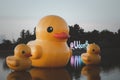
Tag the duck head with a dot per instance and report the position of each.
(22, 51)
(53, 28)
(93, 49)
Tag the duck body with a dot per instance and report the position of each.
(50, 49)
(20, 60)
(18, 64)
(92, 55)
(90, 59)
(55, 54)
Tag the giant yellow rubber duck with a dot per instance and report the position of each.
(20, 60)
(92, 55)
(50, 48)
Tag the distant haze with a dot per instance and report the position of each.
(16, 15)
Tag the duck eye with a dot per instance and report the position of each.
(50, 29)
(93, 50)
(23, 52)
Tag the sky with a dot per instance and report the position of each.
(16, 15)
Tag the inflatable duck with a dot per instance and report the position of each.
(92, 56)
(19, 75)
(92, 72)
(20, 61)
(50, 48)
(50, 74)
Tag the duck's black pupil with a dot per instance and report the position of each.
(49, 29)
(93, 50)
(23, 52)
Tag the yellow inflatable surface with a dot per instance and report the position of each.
(20, 60)
(50, 74)
(92, 55)
(50, 48)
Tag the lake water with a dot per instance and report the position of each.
(102, 72)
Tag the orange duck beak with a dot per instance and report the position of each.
(97, 52)
(62, 35)
(28, 55)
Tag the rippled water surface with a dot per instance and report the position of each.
(105, 71)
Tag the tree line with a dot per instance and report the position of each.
(105, 38)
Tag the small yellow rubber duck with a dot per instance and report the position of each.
(92, 56)
(20, 60)
(50, 48)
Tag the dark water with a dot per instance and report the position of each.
(109, 69)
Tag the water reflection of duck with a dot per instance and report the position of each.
(19, 75)
(20, 60)
(92, 55)
(49, 74)
(91, 72)
(50, 48)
